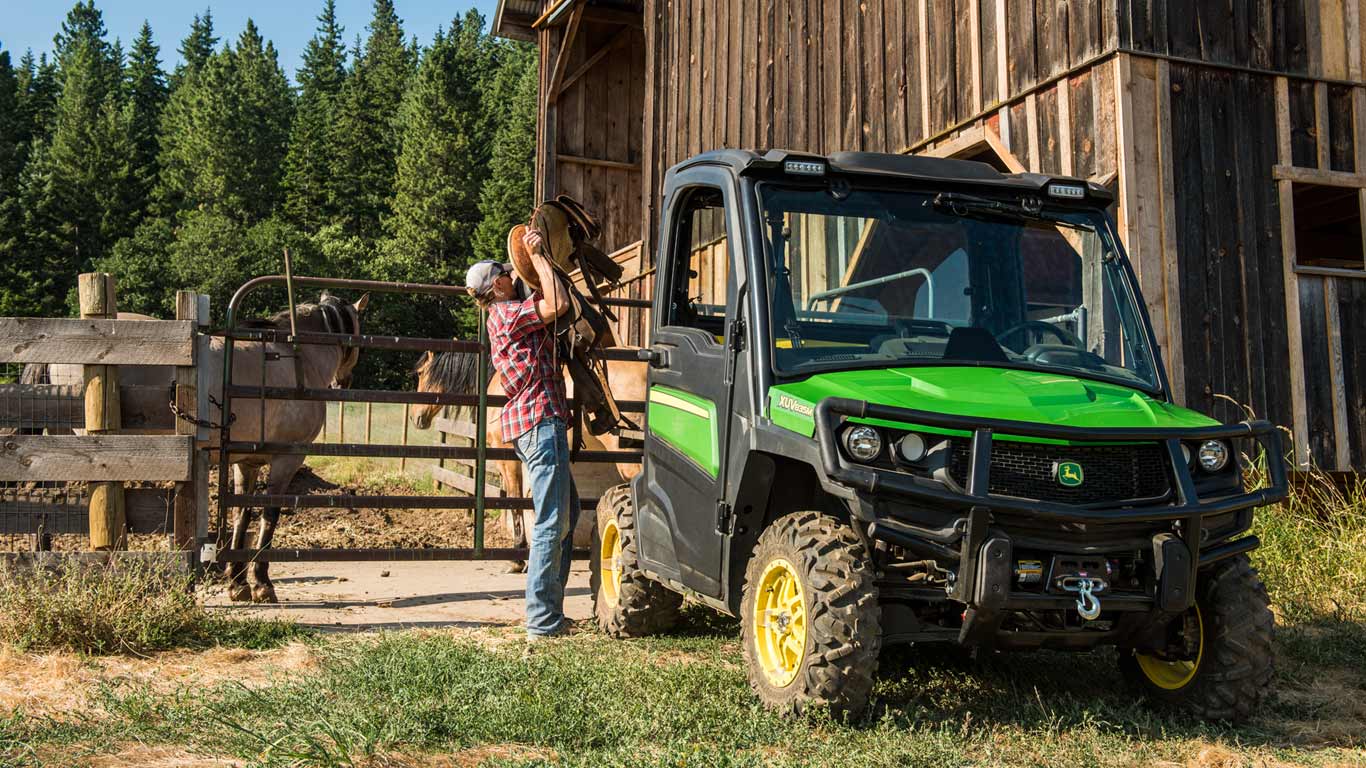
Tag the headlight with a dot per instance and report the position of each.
(912, 447)
(863, 442)
(1213, 455)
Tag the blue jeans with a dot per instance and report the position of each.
(544, 451)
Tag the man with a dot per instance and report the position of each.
(522, 346)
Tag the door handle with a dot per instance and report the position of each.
(657, 357)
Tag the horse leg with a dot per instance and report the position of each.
(238, 591)
(516, 522)
(282, 471)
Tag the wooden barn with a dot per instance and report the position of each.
(1234, 134)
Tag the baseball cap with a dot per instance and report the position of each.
(479, 279)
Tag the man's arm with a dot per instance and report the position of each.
(554, 299)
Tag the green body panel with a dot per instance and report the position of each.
(979, 392)
(688, 423)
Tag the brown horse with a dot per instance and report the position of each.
(318, 366)
(457, 373)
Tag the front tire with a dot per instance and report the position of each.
(626, 602)
(1226, 672)
(810, 619)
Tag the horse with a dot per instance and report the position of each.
(318, 366)
(457, 373)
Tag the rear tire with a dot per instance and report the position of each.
(626, 602)
(810, 620)
(1230, 675)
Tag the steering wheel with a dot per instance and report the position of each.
(1062, 334)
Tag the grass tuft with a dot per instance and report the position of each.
(130, 606)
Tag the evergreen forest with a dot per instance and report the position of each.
(387, 158)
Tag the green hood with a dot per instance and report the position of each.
(972, 391)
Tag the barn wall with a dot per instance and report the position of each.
(591, 131)
(1318, 38)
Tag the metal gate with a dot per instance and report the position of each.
(480, 452)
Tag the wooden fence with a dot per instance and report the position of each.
(126, 433)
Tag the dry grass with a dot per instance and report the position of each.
(133, 606)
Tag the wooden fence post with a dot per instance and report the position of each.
(108, 520)
(185, 523)
(368, 419)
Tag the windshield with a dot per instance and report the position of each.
(882, 278)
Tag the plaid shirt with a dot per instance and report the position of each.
(523, 354)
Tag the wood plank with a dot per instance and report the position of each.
(595, 162)
(923, 26)
(1064, 126)
(874, 123)
(1321, 131)
(1303, 124)
(1340, 140)
(1333, 39)
(1081, 122)
(466, 484)
(1050, 139)
(1298, 397)
(1032, 132)
(1337, 384)
(898, 88)
(1020, 39)
(994, 141)
(1316, 176)
(29, 560)
(1352, 322)
(152, 458)
(832, 78)
(961, 19)
(94, 341)
(942, 73)
(1174, 352)
(975, 55)
(990, 63)
(735, 74)
(59, 511)
(767, 38)
(620, 38)
(1102, 106)
(1318, 388)
(1084, 30)
(1051, 50)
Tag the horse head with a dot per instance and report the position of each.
(445, 373)
(341, 317)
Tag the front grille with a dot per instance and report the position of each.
(1112, 473)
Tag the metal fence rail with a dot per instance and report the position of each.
(480, 452)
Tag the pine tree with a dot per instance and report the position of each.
(443, 160)
(506, 197)
(307, 177)
(196, 48)
(224, 134)
(38, 91)
(366, 131)
(147, 93)
(83, 29)
(13, 148)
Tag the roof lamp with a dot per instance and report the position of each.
(804, 167)
(1069, 191)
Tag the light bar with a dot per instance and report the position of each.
(804, 167)
(1069, 191)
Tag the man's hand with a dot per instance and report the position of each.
(554, 299)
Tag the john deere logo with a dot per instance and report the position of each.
(1069, 474)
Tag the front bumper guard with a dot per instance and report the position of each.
(982, 581)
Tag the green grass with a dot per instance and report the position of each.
(131, 606)
(680, 700)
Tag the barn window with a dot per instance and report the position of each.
(1327, 226)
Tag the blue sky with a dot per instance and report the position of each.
(288, 23)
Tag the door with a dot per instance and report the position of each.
(689, 387)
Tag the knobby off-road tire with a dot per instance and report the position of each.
(814, 562)
(1231, 676)
(638, 606)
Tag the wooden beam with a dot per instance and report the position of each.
(1002, 70)
(608, 47)
(61, 406)
(105, 458)
(1299, 404)
(1337, 382)
(1318, 176)
(1353, 29)
(925, 131)
(999, 147)
(1065, 126)
(95, 341)
(975, 36)
(556, 8)
(1032, 129)
(593, 161)
(108, 519)
(1175, 354)
(954, 147)
(567, 37)
(603, 15)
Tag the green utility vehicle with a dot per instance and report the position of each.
(897, 399)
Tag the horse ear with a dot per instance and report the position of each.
(364, 302)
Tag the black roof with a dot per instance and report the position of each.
(909, 167)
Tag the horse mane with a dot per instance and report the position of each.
(454, 372)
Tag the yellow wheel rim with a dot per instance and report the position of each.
(1174, 675)
(609, 553)
(780, 623)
